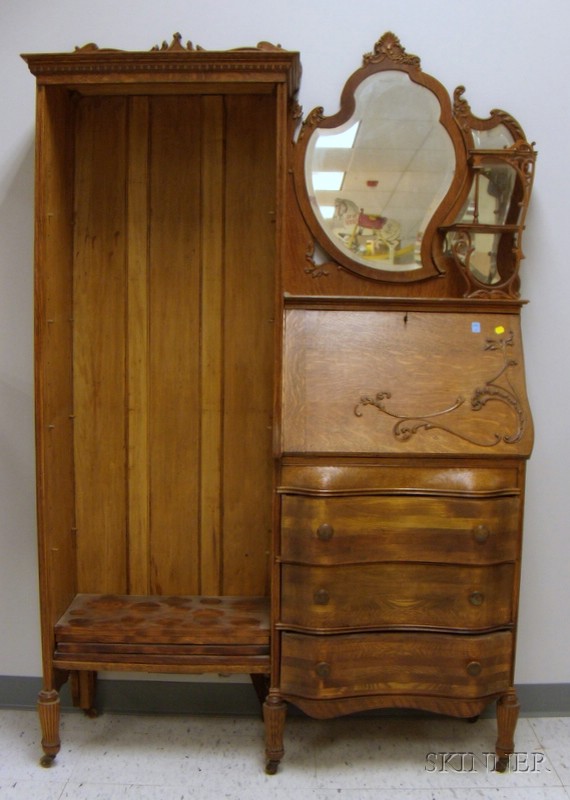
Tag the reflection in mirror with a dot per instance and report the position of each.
(375, 182)
(487, 205)
(493, 139)
(490, 196)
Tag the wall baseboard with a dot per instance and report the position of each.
(232, 699)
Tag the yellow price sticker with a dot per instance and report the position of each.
(499, 329)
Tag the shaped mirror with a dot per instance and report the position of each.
(375, 181)
(372, 177)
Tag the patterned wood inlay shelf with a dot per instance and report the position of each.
(178, 630)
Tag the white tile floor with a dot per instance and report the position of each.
(120, 757)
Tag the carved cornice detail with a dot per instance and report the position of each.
(91, 47)
(176, 57)
(388, 47)
(407, 425)
(176, 45)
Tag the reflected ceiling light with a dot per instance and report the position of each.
(331, 181)
(344, 139)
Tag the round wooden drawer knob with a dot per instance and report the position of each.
(474, 668)
(321, 597)
(325, 532)
(481, 533)
(476, 598)
(323, 669)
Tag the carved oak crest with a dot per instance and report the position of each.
(388, 47)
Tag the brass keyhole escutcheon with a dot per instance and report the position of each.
(481, 533)
(323, 669)
(476, 598)
(474, 668)
(325, 532)
(321, 597)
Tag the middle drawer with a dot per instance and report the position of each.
(356, 596)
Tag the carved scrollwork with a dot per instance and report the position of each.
(407, 425)
(388, 47)
(91, 47)
(317, 270)
(313, 119)
(468, 121)
(296, 111)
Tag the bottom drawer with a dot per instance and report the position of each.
(353, 665)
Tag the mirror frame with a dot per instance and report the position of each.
(388, 55)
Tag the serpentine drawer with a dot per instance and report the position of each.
(436, 664)
(336, 530)
(397, 595)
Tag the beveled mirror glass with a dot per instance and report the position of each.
(375, 181)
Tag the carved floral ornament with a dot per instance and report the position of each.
(388, 47)
(408, 426)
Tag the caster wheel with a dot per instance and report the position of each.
(501, 764)
(46, 761)
(271, 767)
(92, 713)
(472, 720)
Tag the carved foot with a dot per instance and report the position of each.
(48, 710)
(501, 764)
(507, 716)
(274, 713)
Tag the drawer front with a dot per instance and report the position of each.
(353, 665)
(395, 595)
(336, 530)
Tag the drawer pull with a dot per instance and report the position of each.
(321, 597)
(325, 532)
(476, 598)
(323, 669)
(474, 668)
(481, 533)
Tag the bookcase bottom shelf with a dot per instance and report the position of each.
(182, 633)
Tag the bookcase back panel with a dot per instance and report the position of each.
(173, 342)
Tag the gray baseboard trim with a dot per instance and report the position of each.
(233, 699)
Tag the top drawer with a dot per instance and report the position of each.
(337, 530)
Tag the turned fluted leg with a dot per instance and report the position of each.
(274, 712)
(507, 716)
(48, 709)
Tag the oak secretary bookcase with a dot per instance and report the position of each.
(282, 421)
